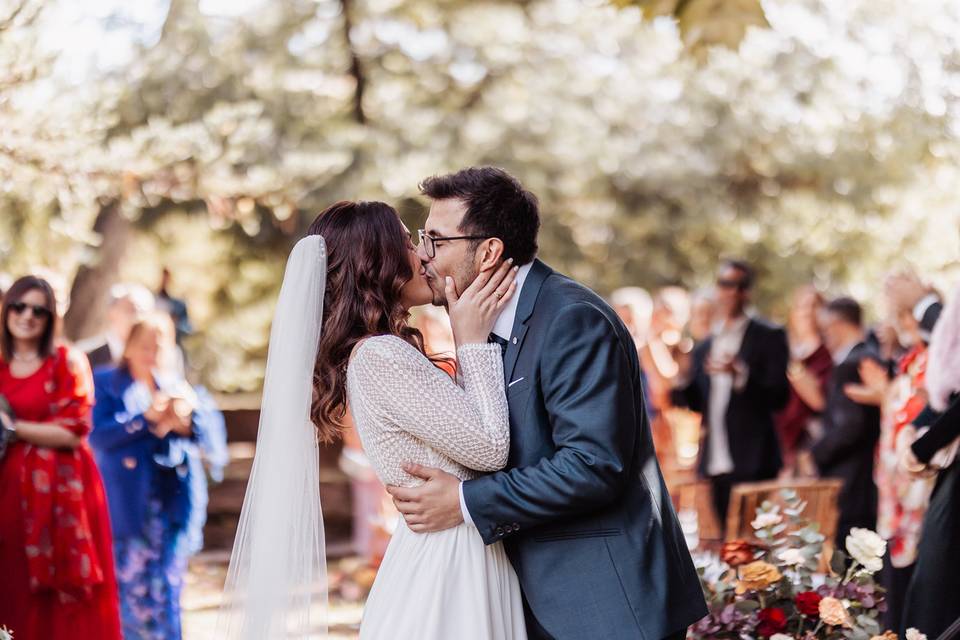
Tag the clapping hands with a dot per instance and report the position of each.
(170, 414)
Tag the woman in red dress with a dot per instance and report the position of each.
(56, 559)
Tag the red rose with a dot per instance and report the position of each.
(772, 620)
(737, 552)
(808, 603)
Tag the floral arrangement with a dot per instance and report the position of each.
(770, 588)
(5, 634)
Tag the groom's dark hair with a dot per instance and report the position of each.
(497, 206)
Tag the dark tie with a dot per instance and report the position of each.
(495, 339)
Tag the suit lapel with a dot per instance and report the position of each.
(528, 301)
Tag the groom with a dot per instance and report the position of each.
(581, 507)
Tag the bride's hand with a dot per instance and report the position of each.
(474, 312)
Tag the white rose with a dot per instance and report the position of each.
(764, 520)
(781, 636)
(913, 634)
(791, 556)
(867, 548)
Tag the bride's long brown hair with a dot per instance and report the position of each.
(367, 266)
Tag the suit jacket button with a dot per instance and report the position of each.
(499, 531)
(516, 527)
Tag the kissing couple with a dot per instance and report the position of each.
(533, 503)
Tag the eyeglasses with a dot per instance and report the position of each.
(430, 242)
(39, 312)
(739, 285)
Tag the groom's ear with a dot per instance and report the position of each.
(490, 253)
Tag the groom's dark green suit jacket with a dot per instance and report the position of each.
(582, 507)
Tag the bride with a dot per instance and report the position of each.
(340, 340)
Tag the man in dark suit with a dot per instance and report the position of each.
(582, 508)
(737, 381)
(850, 429)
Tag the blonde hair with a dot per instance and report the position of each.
(155, 321)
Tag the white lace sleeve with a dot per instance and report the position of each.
(468, 424)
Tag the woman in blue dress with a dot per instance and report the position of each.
(150, 432)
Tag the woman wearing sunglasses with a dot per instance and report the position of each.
(55, 545)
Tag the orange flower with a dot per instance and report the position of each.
(737, 552)
(833, 612)
(757, 576)
(887, 635)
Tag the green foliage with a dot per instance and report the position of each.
(821, 144)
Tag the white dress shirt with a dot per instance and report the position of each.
(726, 343)
(503, 328)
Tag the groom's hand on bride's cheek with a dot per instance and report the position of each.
(434, 505)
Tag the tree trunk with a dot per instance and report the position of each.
(88, 296)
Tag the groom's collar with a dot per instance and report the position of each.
(503, 327)
(530, 279)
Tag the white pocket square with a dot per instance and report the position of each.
(514, 382)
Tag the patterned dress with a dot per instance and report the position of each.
(56, 564)
(150, 570)
(902, 499)
(447, 584)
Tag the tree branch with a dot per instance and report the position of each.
(356, 70)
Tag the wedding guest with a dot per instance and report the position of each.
(635, 307)
(657, 367)
(933, 597)
(738, 383)
(905, 290)
(176, 307)
(902, 500)
(850, 429)
(808, 373)
(127, 304)
(702, 308)
(150, 428)
(668, 350)
(57, 571)
(885, 341)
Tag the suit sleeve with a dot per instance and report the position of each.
(848, 427)
(942, 432)
(588, 387)
(767, 381)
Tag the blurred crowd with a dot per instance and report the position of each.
(829, 395)
(105, 452)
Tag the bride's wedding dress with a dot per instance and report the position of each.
(435, 586)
